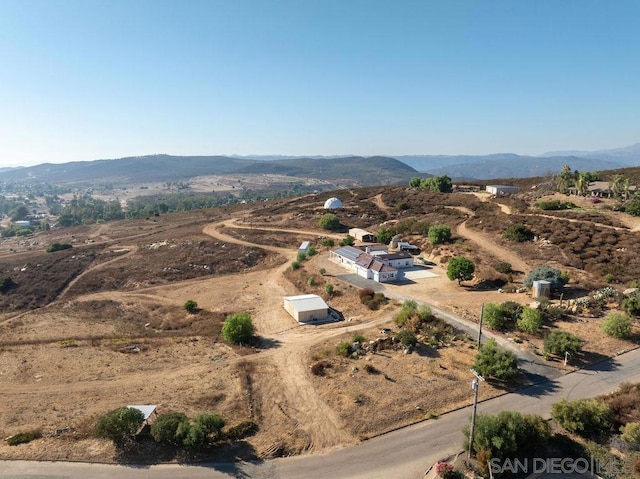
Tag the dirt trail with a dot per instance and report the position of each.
(380, 203)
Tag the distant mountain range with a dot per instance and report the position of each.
(347, 171)
(340, 170)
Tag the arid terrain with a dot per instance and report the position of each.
(102, 324)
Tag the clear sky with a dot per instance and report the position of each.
(89, 79)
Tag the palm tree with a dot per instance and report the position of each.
(616, 185)
(582, 184)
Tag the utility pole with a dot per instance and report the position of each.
(480, 327)
(475, 385)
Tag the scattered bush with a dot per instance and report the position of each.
(372, 300)
(630, 433)
(312, 251)
(238, 328)
(371, 369)
(295, 265)
(165, 427)
(507, 434)
(329, 221)
(554, 205)
(385, 235)
(586, 417)
(241, 431)
(495, 361)
(518, 233)
(6, 283)
(329, 289)
(323, 271)
(344, 348)
(494, 316)
(318, 368)
(348, 241)
(329, 243)
(617, 325)
(505, 268)
(119, 425)
(562, 342)
(311, 281)
(631, 304)
(191, 306)
(530, 321)
(407, 338)
(439, 234)
(358, 338)
(58, 247)
(301, 256)
(24, 437)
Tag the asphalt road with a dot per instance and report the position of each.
(405, 453)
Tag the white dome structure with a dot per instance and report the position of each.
(332, 204)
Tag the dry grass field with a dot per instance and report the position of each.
(102, 325)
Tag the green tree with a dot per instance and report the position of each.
(329, 289)
(119, 425)
(440, 184)
(494, 316)
(329, 221)
(518, 233)
(630, 433)
(191, 306)
(415, 182)
(385, 235)
(6, 283)
(586, 417)
(617, 325)
(211, 426)
(439, 234)
(165, 427)
(632, 206)
(562, 342)
(460, 269)
(530, 321)
(547, 273)
(238, 328)
(495, 361)
(20, 213)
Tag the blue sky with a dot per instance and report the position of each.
(88, 79)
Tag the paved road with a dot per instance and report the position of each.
(405, 453)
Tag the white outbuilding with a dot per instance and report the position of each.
(332, 203)
(501, 190)
(306, 308)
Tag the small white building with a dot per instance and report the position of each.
(362, 235)
(306, 308)
(501, 190)
(304, 247)
(541, 289)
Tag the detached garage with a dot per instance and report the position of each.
(306, 308)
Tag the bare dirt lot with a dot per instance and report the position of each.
(105, 326)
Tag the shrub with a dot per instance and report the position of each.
(439, 234)
(554, 205)
(631, 304)
(494, 316)
(530, 321)
(191, 306)
(617, 325)
(329, 221)
(312, 251)
(24, 437)
(460, 269)
(344, 348)
(518, 233)
(58, 247)
(495, 361)
(365, 293)
(317, 369)
(295, 265)
(301, 256)
(547, 273)
(165, 427)
(329, 243)
(348, 241)
(512, 311)
(407, 338)
(586, 417)
(238, 328)
(311, 281)
(562, 342)
(6, 283)
(323, 271)
(631, 433)
(242, 430)
(119, 425)
(505, 268)
(358, 338)
(507, 434)
(329, 289)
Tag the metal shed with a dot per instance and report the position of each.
(500, 190)
(306, 308)
(541, 289)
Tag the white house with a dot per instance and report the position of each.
(501, 190)
(306, 308)
(378, 265)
